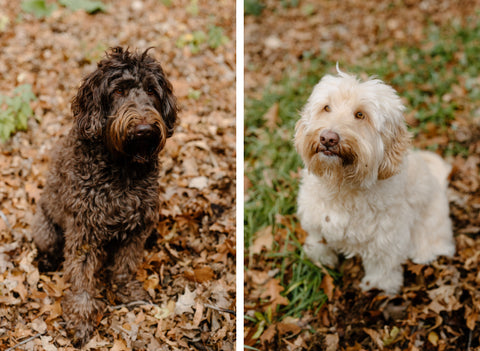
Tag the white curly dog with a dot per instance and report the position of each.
(362, 191)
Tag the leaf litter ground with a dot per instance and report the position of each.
(189, 269)
(438, 308)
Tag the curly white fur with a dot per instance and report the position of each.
(364, 193)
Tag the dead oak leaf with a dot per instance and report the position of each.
(185, 302)
(54, 310)
(272, 291)
(269, 334)
(328, 286)
(471, 317)
(263, 239)
(289, 325)
(200, 275)
(443, 299)
(39, 325)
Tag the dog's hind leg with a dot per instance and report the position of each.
(48, 238)
(432, 236)
(432, 233)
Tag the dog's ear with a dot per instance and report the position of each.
(299, 135)
(395, 143)
(168, 108)
(87, 107)
(169, 111)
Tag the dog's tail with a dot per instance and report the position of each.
(439, 168)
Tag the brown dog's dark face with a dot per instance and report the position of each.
(128, 104)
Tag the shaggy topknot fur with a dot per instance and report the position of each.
(101, 200)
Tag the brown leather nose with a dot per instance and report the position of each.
(143, 130)
(329, 138)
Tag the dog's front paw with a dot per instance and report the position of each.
(320, 253)
(82, 313)
(390, 284)
(80, 333)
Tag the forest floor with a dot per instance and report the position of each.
(428, 50)
(190, 270)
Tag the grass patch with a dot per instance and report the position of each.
(438, 81)
(42, 8)
(15, 111)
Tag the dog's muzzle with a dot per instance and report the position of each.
(139, 135)
(329, 143)
(144, 142)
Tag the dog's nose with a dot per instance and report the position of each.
(143, 129)
(329, 138)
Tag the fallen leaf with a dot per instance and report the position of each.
(271, 117)
(273, 290)
(263, 239)
(328, 285)
(200, 275)
(375, 336)
(433, 338)
(198, 183)
(331, 342)
(39, 325)
(185, 302)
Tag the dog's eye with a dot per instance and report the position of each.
(119, 92)
(327, 108)
(359, 115)
(150, 91)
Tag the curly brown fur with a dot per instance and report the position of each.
(101, 202)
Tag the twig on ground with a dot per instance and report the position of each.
(221, 309)
(131, 304)
(25, 341)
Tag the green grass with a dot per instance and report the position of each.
(439, 83)
(15, 111)
(42, 8)
(199, 40)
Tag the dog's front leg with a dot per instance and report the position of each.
(317, 249)
(126, 261)
(383, 270)
(81, 310)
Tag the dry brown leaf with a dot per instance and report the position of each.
(328, 285)
(200, 275)
(271, 117)
(289, 325)
(331, 342)
(273, 290)
(471, 317)
(119, 345)
(433, 338)
(185, 302)
(269, 334)
(375, 336)
(263, 239)
(198, 316)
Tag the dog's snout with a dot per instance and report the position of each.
(329, 138)
(143, 130)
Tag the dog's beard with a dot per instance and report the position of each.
(353, 161)
(138, 135)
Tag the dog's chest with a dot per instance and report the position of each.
(341, 221)
(113, 203)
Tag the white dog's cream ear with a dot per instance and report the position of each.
(299, 135)
(395, 146)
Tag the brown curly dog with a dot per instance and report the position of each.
(101, 200)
